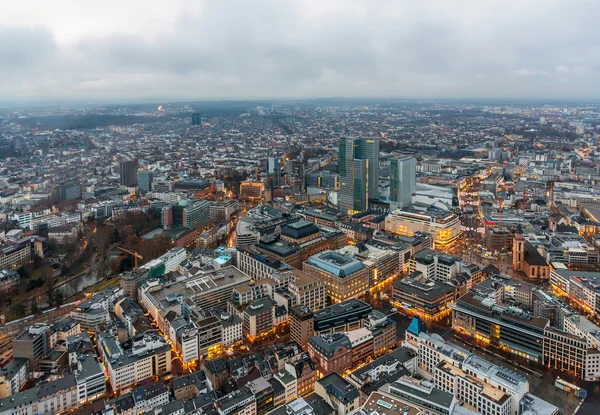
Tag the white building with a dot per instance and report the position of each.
(94, 310)
(232, 328)
(149, 356)
(91, 383)
(150, 396)
(173, 258)
(444, 226)
(485, 387)
(47, 398)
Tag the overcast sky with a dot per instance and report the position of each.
(140, 50)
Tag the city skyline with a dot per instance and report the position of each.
(111, 53)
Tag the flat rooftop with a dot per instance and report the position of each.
(201, 284)
(335, 263)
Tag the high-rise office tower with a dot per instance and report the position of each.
(359, 173)
(196, 118)
(402, 181)
(144, 178)
(128, 170)
(274, 170)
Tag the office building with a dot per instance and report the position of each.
(222, 211)
(196, 118)
(435, 265)
(477, 315)
(128, 173)
(359, 173)
(189, 214)
(251, 190)
(33, 344)
(402, 181)
(427, 297)
(445, 226)
(345, 316)
(344, 276)
(307, 290)
(204, 291)
(274, 170)
(259, 317)
(69, 190)
(144, 178)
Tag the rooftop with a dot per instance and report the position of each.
(335, 263)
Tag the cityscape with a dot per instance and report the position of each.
(223, 248)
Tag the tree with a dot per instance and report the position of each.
(34, 306)
(50, 285)
(59, 298)
(17, 311)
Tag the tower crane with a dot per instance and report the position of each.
(136, 256)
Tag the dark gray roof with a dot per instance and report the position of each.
(339, 387)
(35, 394)
(319, 405)
(328, 344)
(13, 367)
(300, 229)
(149, 391)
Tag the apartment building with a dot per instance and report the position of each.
(259, 317)
(13, 376)
(95, 310)
(307, 290)
(149, 355)
(302, 325)
(582, 287)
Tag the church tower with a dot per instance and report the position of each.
(518, 254)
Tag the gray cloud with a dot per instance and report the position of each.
(281, 48)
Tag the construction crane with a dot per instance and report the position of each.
(136, 256)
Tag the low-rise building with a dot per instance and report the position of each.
(331, 352)
(340, 394)
(95, 310)
(13, 376)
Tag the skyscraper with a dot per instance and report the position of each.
(144, 178)
(359, 173)
(128, 170)
(402, 181)
(274, 170)
(196, 118)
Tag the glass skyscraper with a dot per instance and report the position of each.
(403, 172)
(358, 167)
